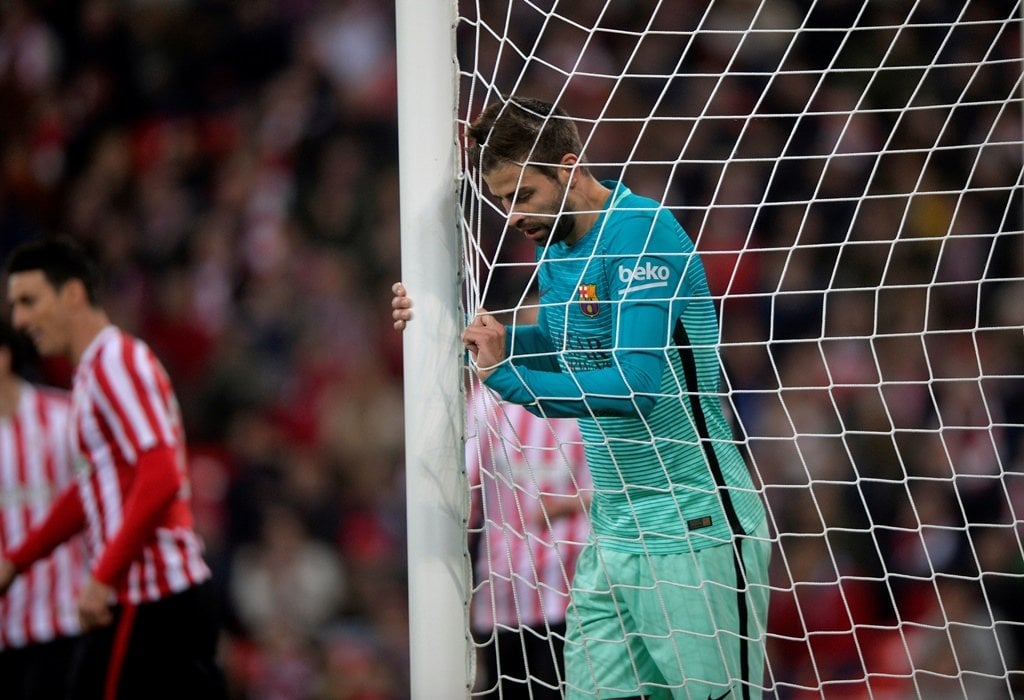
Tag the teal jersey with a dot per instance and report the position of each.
(627, 342)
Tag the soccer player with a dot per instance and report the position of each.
(530, 498)
(670, 598)
(38, 618)
(531, 488)
(146, 600)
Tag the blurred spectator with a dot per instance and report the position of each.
(286, 584)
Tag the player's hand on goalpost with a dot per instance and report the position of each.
(485, 340)
(401, 306)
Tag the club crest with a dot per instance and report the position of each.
(588, 300)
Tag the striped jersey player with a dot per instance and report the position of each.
(35, 466)
(124, 411)
(39, 628)
(531, 506)
(146, 599)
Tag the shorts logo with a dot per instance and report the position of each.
(698, 523)
(588, 300)
(646, 276)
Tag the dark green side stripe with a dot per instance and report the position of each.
(682, 341)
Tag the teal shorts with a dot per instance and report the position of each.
(687, 625)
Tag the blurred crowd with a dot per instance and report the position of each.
(234, 166)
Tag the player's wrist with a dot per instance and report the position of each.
(103, 577)
(491, 374)
(18, 560)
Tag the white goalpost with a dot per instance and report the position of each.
(851, 173)
(435, 484)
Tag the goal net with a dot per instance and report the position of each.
(850, 173)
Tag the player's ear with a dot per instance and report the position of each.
(568, 163)
(73, 292)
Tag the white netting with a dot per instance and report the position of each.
(851, 173)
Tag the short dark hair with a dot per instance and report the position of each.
(60, 260)
(522, 130)
(19, 345)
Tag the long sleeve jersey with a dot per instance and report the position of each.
(527, 554)
(35, 466)
(627, 342)
(124, 410)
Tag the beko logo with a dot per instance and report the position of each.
(649, 276)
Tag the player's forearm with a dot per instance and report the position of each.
(65, 519)
(626, 390)
(153, 492)
(529, 347)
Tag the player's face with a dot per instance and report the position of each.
(534, 201)
(39, 310)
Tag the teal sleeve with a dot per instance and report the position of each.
(649, 272)
(530, 348)
(628, 388)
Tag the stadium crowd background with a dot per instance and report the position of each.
(234, 165)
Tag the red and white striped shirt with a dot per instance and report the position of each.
(521, 468)
(35, 466)
(123, 405)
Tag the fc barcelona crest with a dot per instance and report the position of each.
(588, 300)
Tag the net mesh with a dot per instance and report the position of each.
(850, 172)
